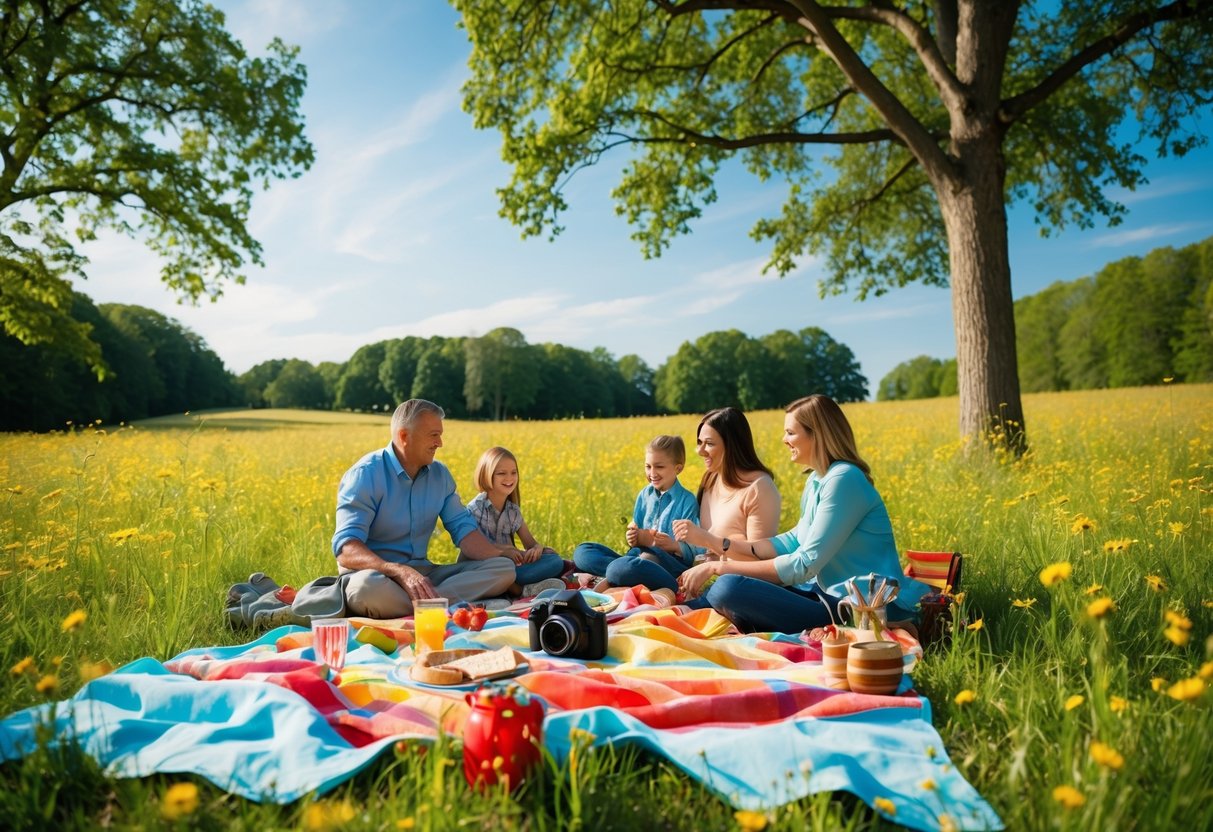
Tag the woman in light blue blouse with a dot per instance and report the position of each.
(783, 583)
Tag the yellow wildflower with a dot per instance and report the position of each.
(180, 800)
(1185, 690)
(16, 489)
(1100, 607)
(1118, 704)
(1177, 635)
(1156, 583)
(1074, 701)
(929, 784)
(1120, 545)
(1206, 671)
(1023, 603)
(94, 670)
(1158, 683)
(1081, 524)
(1176, 528)
(977, 625)
(885, 805)
(123, 535)
(1107, 756)
(48, 684)
(750, 821)
(1055, 573)
(1068, 796)
(1092, 589)
(406, 823)
(26, 665)
(965, 697)
(74, 621)
(327, 814)
(1177, 619)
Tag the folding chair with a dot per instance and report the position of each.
(940, 570)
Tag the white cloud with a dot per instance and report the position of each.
(1160, 189)
(257, 22)
(1129, 236)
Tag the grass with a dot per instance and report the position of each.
(143, 528)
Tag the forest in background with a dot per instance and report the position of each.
(1136, 321)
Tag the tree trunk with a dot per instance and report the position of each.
(974, 213)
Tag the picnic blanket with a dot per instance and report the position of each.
(744, 715)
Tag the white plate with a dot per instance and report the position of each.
(400, 676)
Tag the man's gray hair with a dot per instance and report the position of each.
(406, 415)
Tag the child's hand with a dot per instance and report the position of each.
(532, 554)
(632, 535)
(663, 541)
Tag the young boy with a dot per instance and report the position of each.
(655, 559)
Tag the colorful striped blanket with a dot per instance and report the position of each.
(742, 714)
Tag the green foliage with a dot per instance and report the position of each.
(297, 385)
(359, 387)
(500, 376)
(258, 377)
(919, 378)
(156, 366)
(146, 118)
(730, 368)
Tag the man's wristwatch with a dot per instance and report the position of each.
(725, 543)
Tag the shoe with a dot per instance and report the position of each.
(493, 604)
(531, 590)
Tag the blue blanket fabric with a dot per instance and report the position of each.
(267, 743)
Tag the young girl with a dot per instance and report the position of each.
(498, 514)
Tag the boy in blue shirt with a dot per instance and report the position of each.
(655, 559)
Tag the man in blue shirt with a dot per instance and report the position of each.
(387, 506)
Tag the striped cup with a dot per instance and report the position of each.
(834, 663)
(874, 667)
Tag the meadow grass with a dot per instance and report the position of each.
(1095, 685)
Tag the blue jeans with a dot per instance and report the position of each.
(630, 569)
(547, 565)
(758, 606)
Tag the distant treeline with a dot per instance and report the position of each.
(1136, 322)
(500, 376)
(158, 367)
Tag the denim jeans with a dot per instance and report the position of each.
(758, 606)
(630, 569)
(547, 565)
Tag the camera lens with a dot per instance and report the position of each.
(557, 636)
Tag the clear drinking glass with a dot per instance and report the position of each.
(429, 623)
(329, 639)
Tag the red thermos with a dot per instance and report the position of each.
(503, 735)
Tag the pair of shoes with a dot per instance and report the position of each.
(531, 590)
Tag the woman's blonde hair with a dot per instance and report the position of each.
(489, 460)
(833, 439)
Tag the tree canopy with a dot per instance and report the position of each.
(940, 114)
(145, 118)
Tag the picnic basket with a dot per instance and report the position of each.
(941, 571)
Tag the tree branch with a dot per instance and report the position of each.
(908, 129)
(950, 90)
(1012, 108)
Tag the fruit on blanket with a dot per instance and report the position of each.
(480, 617)
(376, 637)
(502, 737)
(462, 617)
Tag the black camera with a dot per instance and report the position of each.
(564, 625)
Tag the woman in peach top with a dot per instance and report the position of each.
(737, 495)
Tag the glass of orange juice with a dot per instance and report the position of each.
(429, 623)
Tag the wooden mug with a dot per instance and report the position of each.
(874, 667)
(834, 663)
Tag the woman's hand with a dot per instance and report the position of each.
(691, 581)
(685, 530)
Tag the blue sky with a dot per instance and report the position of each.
(395, 230)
